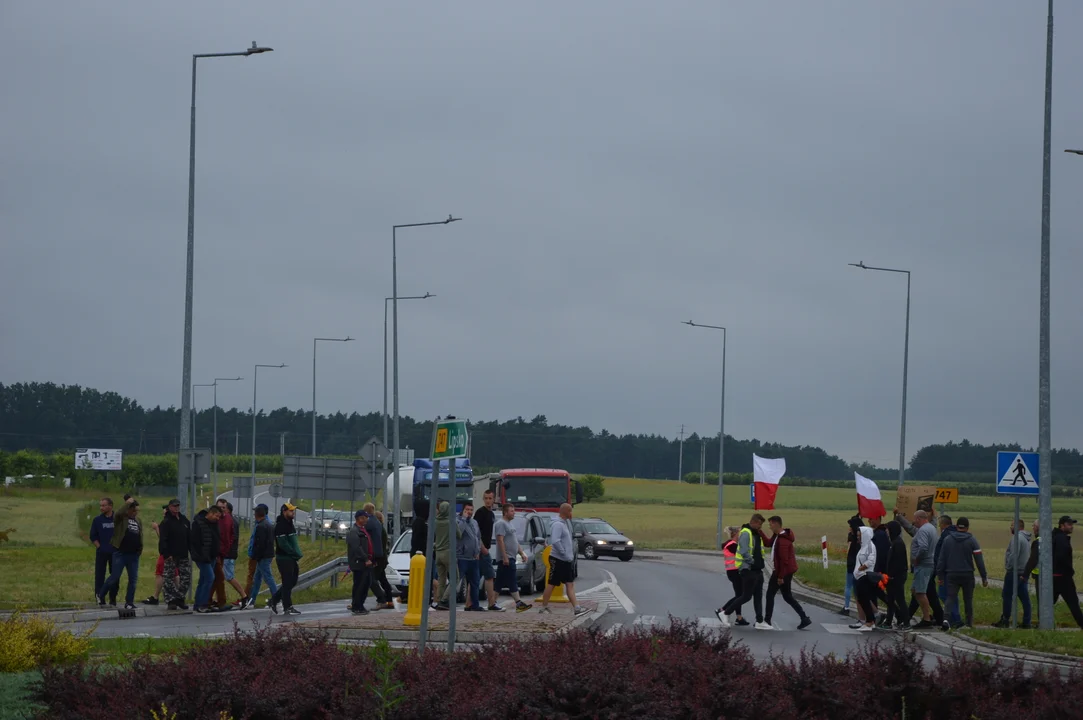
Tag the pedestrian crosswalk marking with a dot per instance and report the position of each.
(706, 623)
(840, 629)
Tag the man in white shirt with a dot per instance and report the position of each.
(562, 561)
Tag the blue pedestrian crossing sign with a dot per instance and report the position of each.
(1017, 473)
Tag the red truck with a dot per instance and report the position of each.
(540, 489)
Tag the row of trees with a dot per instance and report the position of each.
(50, 418)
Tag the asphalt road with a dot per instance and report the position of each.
(261, 495)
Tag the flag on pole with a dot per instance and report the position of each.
(869, 504)
(766, 473)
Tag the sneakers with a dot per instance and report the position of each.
(763, 626)
(495, 608)
(129, 606)
(545, 611)
(291, 611)
(172, 606)
(244, 603)
(273, 606)
(389, 605)
(1002, 623)
(866, 628)
(442, 606)
(924, 625)
(805, 622)
(360, 611)
(856, 626)
(580, 610)
(204, 610)
(151, 601)
(722, 617)
(845, 612)
(100, 599)
(522, 606)
(741, 622)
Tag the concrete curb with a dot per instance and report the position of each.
(99, 615)
(395, 635)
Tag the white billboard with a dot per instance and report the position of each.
(97, 459)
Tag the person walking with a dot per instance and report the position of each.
(101, 536)
(380, 587)
(955, 568)
(1063, 571)
(467, 552)
(561, 562)
(288, 557)
(379, 574)
(897, 607)
(946, 526)
(261, 552)
(732, 563)
(159, 566)
(750, 552)
(419, 537)
(204, 546)
(784, 562)
(864, 586)
(229, 556)
(922, 565)
(507, 549)
(127, 541)
(853, 544)
(174, 538)
(486, 520)
(441, 547)
(1032, 571)
(252, 565)
(1015, 576)
(359, 554)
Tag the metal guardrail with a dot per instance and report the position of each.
(327, 571)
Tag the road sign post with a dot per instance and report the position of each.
(1018, 474)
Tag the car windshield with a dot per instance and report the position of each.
(599, 527)
(534, 491)
(402, 545)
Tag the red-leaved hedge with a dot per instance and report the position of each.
(679, 672)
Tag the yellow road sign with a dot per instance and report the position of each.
(947, 495)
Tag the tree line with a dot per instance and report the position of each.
(48, 417)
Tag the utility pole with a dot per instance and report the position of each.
(237, 443)
(282, 444)
(680, 459)
(703, 461)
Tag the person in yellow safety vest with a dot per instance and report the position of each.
(750, 551)
(733, 568)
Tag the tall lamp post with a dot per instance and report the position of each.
(426, 296)
(906, 359)
(186, 372)
(722, 430)
(395, 360)
(255, 383)
(314, 341)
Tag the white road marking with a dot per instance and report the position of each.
(624, 600)
(649, 620)
(709, 622)
(839, 629)
(613, 630)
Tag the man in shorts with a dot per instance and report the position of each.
(486, 520)
(506, 550)
(561, 561)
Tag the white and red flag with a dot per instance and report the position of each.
(767, 473)
(869, 504)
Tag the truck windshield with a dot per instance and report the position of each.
(536, 491)
(462, 493)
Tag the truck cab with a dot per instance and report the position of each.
(463, 481)
(538, 489)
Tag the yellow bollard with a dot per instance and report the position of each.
(558, 592)
(418, 578)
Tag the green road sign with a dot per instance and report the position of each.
(450, 439)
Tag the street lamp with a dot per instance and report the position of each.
(395, 357)
(314, 341)
(255, 382)
(722, 430)
(1077, 152)
(186, 372)
(906, 359)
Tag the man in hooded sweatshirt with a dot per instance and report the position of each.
(784, 561)
(1015, 575)
(866, 561)
(853, 544)
(946, 526)
(750, 552)
(896, 585)
(955, 568)
(441, 547)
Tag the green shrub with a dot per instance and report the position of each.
(593, 486)
(28, 642)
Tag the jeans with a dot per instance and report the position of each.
(219, 583)
(773, 587)
(751, 589)
(955, 583)
(262, 574)
(849, 590)
(469, 571)
(289, 570)
(362, 582)
(953, 616)
(205, 583)
(103, 568)
(1006, 597)
(121, 562)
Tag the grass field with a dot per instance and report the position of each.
(1051, 641)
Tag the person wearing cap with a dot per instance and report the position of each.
(174, 533)
(288, 557)
(955, 568)
(159, 567)
(261, 550)
(1063, 572)
(359, 553)
(128, 542)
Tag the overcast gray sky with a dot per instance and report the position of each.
(619, 165)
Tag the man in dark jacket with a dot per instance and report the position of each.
(381, 587)
(896, 584)
(261, 553)
(204, 548)
(853, 544)
(1063, 572)
(959, 553)
(127, 541)
(946, 526)
(173, 537)
(101, 534)
(785, 567)
(419, 538)
(486, 520)
(287, 557)
(359, 553)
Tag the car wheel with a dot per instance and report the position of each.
(588, 552)
(626, 558)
